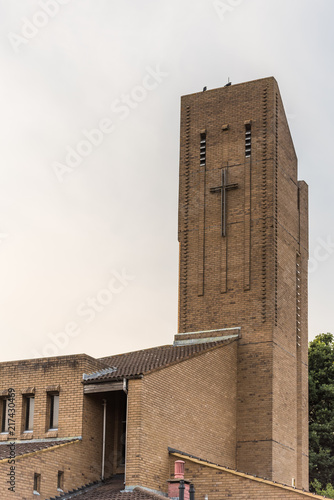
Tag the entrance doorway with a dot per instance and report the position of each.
(115, 433)
(115, 429)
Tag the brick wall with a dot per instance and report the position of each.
(73, 459)
(79, 416)
(248, 278)
(219, 483)
(192, 406)
(64, 372)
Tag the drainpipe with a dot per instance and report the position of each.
(104, 403)
(125, 389)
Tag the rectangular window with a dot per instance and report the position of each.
(60, 480)
(4, 415)
(37, 483)
(248, 140)
(54, 411)
(29, 413)
(202, 161)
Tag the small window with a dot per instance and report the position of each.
(29, 413)
(4, 415)
(54, 411)
(203, 150)
(60, 480)
(248, 140)
(37, 483)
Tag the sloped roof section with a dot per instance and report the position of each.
(31, 447)
(285, 489)
(136, 363)
(100, 373)
(109, 490)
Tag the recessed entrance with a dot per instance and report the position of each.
(115, 430)
(115, 433)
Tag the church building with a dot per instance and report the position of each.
(225, 406)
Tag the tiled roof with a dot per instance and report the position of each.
(110, 490)
(31, 447)
(105, 492)
(136, 363)
(99, 373)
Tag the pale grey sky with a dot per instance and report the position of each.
(88, 243)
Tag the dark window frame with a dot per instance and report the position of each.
(29, 425)
(37, 482)
(60, 480)
(4, 415)
(54, 411)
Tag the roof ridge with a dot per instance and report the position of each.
(131, 352)
(171, 346)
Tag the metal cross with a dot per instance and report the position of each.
(223, 188)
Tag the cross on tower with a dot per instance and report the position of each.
(223, 188)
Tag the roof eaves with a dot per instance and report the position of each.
(112, 379)
(99, 373)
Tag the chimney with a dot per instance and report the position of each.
(178, 482)
(179, 469)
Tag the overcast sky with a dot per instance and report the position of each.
(88, 242)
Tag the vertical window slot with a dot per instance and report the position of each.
(60, 480)
(203, 150)
(54, 411)
(248, 140)
(29, 416)
(37, 483)
(4, 415)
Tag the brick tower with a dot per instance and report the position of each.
(243, 233)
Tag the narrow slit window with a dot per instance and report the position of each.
(54, 411)
(37, 483)
(60, 480)
(29, 417)
(4, 415)
(248, 141)
(203, 150)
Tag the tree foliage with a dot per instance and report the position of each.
(328, 492)
(321, 414)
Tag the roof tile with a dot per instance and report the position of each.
(136, 363)
(23, 448)
(112, 489)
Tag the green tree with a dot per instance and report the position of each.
(321, 414)
(328, 492)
